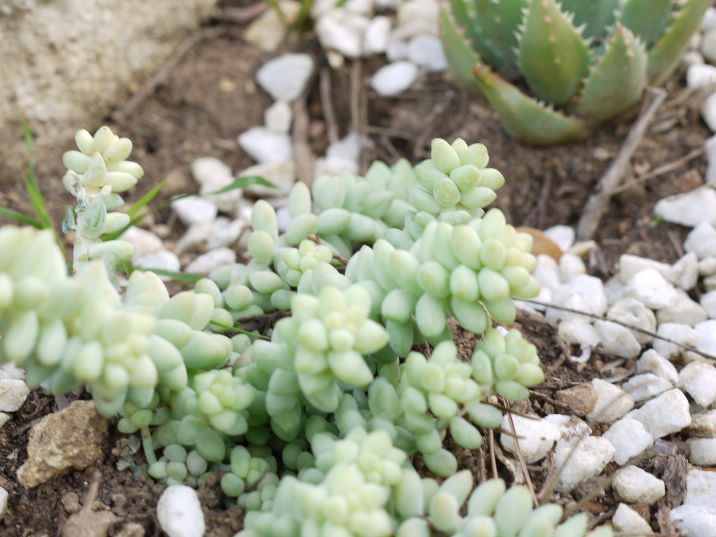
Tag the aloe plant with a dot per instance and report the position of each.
(585, 61)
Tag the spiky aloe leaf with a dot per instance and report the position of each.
(553, 55)
(595, 15)
(646, 18)
(617, 80)
(523, 117)
(664, 55)
(458, 51)
(494, 31)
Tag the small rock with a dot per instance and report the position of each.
(266, 146)
(3, 502)
(397, 49)
(629, 265)
(682, 311)
(547, 272)
(707, 267)
(695, 520)
(708, 46)
(637, 486)
(699, 76)
(617, 339)
(162, 260)
(71, 438)
(707, 337)
(341, 156)
(701, 488)
(144, 242)
(699, 380)
(563, 236)
(569, 427)
(614, 289)
(626, 520)
(708, 108)
(702, 240)
(629, 438)
(702, 451)
(213, 175)
(210, 261)
(194, 210)
(377, 36)
(285, 77)
(89, 523)
(417, 17)
(268, 30)
(633, 312)
(342, 32)
(4, 418)
(394, 78)
(675, 334)
(281, 174)
(582, 462)
(646, 386)
(689, 209)
(571, 266)
(708, 301)
(179, 512)
(612, 402)
(703, 425)
(588, 288)
(579, 332)
(581, 399)
(710, 283)
(691, 57)
(652, 362)
(685, 272)
(536, 437)
(224, 232)
(708, 22)
(651, 288)
(278, 117)
(10, 371)
(427, 51)
(13, 393)
(130, 529)
(668, 413)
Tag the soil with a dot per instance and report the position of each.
(210, 97)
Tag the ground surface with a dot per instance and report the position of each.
(210, 97)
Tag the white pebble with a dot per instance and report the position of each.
(617, 339)
(628, 521)
(213, 175)
(285, 77)
(652, 362)
(702, 451)
(708, 301)
(162, 260)
(547, 272)
(651, 288)
(707, 267)
(708, 108)
(707, 337)
(699, 76)
(13, 393)
(569, 427)
(629, 265)
(646, 386)
(586, 460)
(703, 425)
(637, 486)
(580, 332)
(418, 17)
(210, 261)
(699, 380)
(397, 49)
(10, 371)
(629, 438)
(668, 413)
(612, 402)
(563, 236)
(691, 57)
(571, 266)
(394, 78)
(695, 520)
(427, 51)
(179, 512)
(281, 174)
(144, 242)
(266, 146)
(685, 272)
(702, 240)
(676, 334)
(701, 488)
(536, 437)
(683, 311)
(589, 288)
(278, 117)
(343, 32)
(633, 312)
(4, 418)
(708, 22)
(194, 210)
(614, 289)
(377, 35)
(708, 45)
(691, 208)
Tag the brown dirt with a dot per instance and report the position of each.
(210, 97)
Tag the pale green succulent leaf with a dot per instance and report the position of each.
(617, 80)
(553, 55)
(666, 52)
(526, 119)
(458, 51)
(596, 16)
(646, 18)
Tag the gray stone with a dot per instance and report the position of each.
(637, 486)
(695, 520)
(285, 77)
(266, 146)
(629, 438)
(581, 459)
(668, 413)
(210, 261)
(646, 386)
(394, 78)
(699, 380)
(701, 488)
(702, 451)
(427, 51)
(702, 240)
(13, 393)
(633, 312)
(652, 362)
(612, 402)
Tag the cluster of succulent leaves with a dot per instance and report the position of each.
(591, 59)
(309, 376)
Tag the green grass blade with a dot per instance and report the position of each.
(227, 328)
(146, 199)
(242, 182)
(178, 276)
(33, 190)
(21, 218)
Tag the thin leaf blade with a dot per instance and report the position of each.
(37, 201)
(146, 198)
(21, 218)
(179, 276)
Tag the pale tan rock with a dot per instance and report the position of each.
(580, 399)
(69, 439)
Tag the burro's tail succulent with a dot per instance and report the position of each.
(585, 61)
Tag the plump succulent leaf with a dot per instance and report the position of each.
(596, 16)
(646, 18)
(459, 53)
(523, 117)
(665, 54)
(618, 79)
(495, 24)
(553, 55)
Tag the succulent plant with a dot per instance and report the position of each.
(590, 58)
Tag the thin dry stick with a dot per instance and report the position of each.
(356, 75)
(661, 170)
(327, 105)
(493, 461)
(303, 156)
(689, 348)
(521, 458)
(599, 200)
